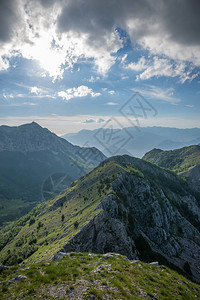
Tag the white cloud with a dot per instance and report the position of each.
(111, 92)
(4, 64)
(16, 104)
(36, 90)
(7, 96)
(91, 79)
(111, 103)
(36, 37)
(138, 66)
(81, 91)
(157, 67)
(156, 92)
(188, 105)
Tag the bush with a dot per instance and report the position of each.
(76, 224)
(32, 221)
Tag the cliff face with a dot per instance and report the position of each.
(146, 219)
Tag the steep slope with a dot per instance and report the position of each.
(36, 165)
(125, 205)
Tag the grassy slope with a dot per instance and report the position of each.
(178, 160)
(45, 230)
(78, 276)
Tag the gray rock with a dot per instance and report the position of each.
(155, 263)
(18, 277)
(2, 268)
(59, 256)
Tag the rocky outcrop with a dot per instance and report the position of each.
(101, 235)
(147, 221)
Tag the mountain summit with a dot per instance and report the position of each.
(32, 137)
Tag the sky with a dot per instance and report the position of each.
(75, 64)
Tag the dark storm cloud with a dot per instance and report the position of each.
(177, 18)
(8, 18)
(98, 17)
(181, 18)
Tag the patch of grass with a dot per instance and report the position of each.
(126, 280)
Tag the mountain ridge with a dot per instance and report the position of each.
(184, 161)
(125, 205)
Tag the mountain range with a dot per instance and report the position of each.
(137, 141)
(36, 165)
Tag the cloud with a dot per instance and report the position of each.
(59, 33)
(100, 120)
(20, 104)
(188, 105)
(156, 92)
(9, 15)
(81, 91)
(111, 103)
(138, 66)
(157, 67)
(36, 90)
(111, 92)
(173, 26)
(89, 121)
(4, 64)
(7, 96)
(124, 77)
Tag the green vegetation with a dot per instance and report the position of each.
(83, 275)
(49, 226)
(179, 160)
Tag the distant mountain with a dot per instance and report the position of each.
(125, 205)
(184, 161)
(35, 165)
(178, 160)
(140, 142)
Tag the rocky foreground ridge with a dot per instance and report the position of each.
(94, 276)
